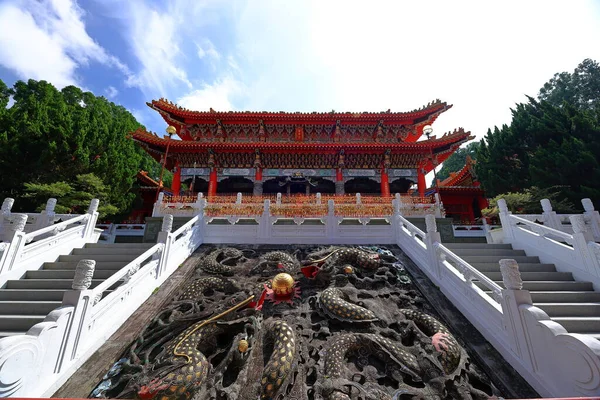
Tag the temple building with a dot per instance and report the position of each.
(462, 195)
(293, 152)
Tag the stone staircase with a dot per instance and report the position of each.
(26, 301)
(573, 304)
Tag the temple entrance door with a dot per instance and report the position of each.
(271, 186)
(476, 210)
(235, 184)
(362, 185)
(200, 185)
(323, 186)
(400, 185)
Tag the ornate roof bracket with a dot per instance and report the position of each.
(220, 134)
(211, 158)
(262, 134)
(379, 132)
(337, 132)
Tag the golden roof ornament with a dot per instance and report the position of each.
(243, 346)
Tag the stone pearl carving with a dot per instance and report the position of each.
(511, 277)
(83, 274)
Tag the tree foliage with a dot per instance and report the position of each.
(72, 197)
(528, 201)
(552, 141)
(50, 137)
(457, 160)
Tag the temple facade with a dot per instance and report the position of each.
(259, 153)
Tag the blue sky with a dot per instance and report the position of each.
(301, 55)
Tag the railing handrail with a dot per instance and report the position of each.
(186, 226)
(543, 228)
(411, 226)
(496, 289)
(60, 226)
(114, 278)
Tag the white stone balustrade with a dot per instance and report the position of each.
(38, 363)
(574, 252)
(23, 251)
(554, 362)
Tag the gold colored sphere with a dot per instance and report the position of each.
(283, 284)
(171, 130)
(348, 269)
(243, 346)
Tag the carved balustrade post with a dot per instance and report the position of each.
(438, 205)
(7, 204)
(167, 238)
(157, 209)
(278, 201)
(358, 200)
(82, 299)
(90, 225)
(581, 237)
(199, 205)
(238, 198)
(505, 221)
(550, 218)
(264, 225)
(592, 216)
(331, 224)
(487, 230)
(513, 296)
(431, 239)
(46, 217)
(14, 237)
(318, 199)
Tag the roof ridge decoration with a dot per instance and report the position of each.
(162, 102)
(454, 179)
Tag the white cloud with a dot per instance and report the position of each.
(48, 40)
(111, 92)
(217, 96)
(207, 50)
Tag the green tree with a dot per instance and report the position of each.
(580, 88)
(72, 197)
(457, 160)
(50, 136)
(552, 141)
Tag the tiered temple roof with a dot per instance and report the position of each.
(465, 179)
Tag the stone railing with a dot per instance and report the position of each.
(473, 230)
(38, 363)
(574, 252)
(26, 251)
(111, 231)
(554, 362)
(562, 222)
(35, 221)
(302, 206)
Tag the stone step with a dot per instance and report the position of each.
(33, 284)
(71, 265)
(523, 267)
(65, 274)
(20, 322)
(544, 286)
(99, 251)
(570, 309)
(125, 258)
(496, 259)
(29, 295)
(11, 307)
(141, 246)
(503, 253)
(579, 324)
(565, 296)
(534, 276)
(453, 246)
(5, 333)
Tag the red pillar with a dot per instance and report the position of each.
(421, 182)
(176, 185)
(212, 183)
(339, 182)
(258, 175)
(385, 184)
